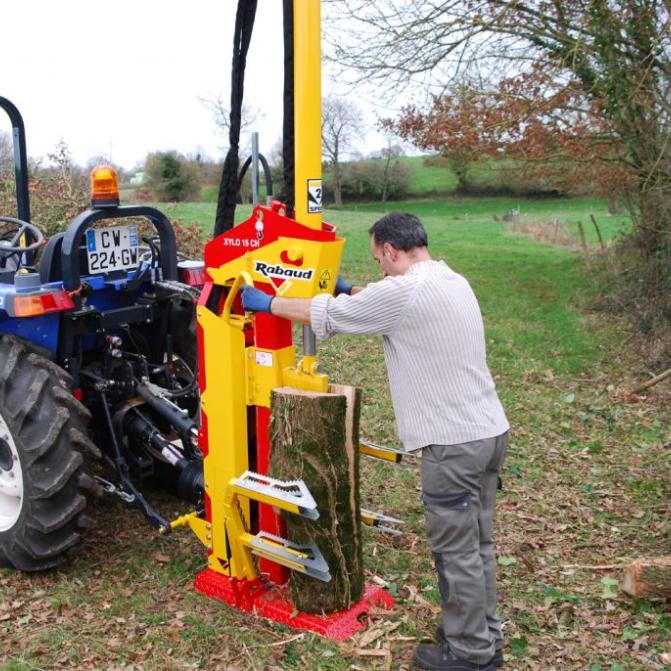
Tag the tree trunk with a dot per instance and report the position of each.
(385, 178)
(314, 437)
(649, 578)
(459, 165)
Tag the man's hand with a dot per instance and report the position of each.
(255, 300)
(342, 287)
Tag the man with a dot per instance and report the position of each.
(446, 405)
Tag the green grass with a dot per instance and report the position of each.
(424, 178)
(449, 210)
(585, 484)
(431, 174)
(427, 176)
(210, 192)
(546, 211)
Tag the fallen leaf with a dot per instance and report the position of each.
(506, 561)
(610, 588)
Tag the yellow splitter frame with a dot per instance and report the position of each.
(236, 374)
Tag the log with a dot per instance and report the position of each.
(314, 437)
(653, 381)
(648, 578)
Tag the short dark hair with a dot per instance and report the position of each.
(401, 230)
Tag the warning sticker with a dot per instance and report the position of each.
(314, 196)
(324, 279)
(264, 359)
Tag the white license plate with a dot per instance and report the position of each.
(111, 249)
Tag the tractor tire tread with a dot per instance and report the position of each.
(49, 427)
(51, 516)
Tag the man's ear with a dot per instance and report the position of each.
(390, 251)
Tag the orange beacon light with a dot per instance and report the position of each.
(104, 187)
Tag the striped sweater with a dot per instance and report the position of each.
(434, 348)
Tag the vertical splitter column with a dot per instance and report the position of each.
(307, 113)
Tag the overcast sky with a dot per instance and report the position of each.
(124, 78)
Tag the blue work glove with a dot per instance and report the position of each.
(255, 300)
(342, 287)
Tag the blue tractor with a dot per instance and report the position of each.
(98, 387)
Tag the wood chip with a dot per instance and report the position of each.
(372, 634)
(371, 653)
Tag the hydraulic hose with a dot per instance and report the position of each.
(228, 187)
(266, 174)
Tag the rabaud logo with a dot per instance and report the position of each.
(280, 272)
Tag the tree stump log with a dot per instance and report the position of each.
(649, 578)
(314, 437)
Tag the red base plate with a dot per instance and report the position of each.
(274, 604)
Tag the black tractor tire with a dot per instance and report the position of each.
(44, 429)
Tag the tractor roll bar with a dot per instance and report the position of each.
(20, 159)
(73, 238)
(20, 168)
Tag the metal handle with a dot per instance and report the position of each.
(236, 320)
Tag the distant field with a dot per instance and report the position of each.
(423, 178)
(545, 211)
(427, 176)
(450, 209)
(210, 192)
(431, 174)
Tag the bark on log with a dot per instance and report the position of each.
(314, 437)
(649, 578)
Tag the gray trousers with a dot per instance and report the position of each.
(459, 485)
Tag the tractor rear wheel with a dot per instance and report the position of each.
(44, 489)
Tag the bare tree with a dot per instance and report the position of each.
(392, 150)
(342, 124)
(221, 113)
(617, 54)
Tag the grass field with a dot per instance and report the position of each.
(427, 176)
(433, 175)
(586, 487)
(452, 210)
